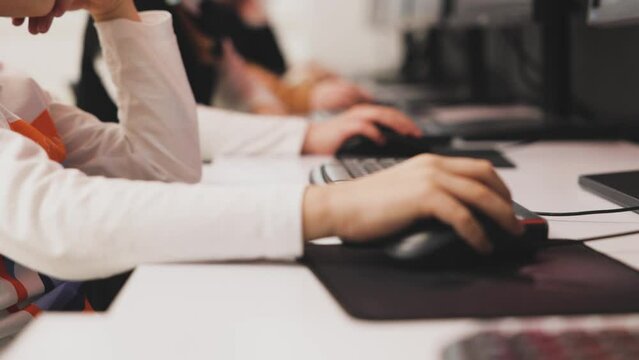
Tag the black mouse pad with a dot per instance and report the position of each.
(560, 280)
(495, 157)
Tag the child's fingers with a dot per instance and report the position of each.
(45, 24)
(34, 25)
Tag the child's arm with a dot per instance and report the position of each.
(158, 136)
(71, 226)
(232, 133)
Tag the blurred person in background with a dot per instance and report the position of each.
(229, 50)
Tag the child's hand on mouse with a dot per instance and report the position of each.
(427, 186)
(325, 138)
(101, 10)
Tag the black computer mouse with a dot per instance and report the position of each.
(432, 241)
(397, 145)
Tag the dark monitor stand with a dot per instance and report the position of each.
(553, 19)
(456, 70)
(609, 95)
(563, 119)
(463, 67)
(589, 76)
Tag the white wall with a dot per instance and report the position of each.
(336, 33)
(53, 59)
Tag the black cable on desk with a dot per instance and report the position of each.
(589, 212)
(569, 242)
(609, 236)
(561, 242)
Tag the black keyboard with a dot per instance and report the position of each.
(348, 168)
(617, 344)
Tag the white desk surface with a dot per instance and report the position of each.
(271, 310)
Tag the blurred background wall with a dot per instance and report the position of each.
(335, 33)
(53, 59)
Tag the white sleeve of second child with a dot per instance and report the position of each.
(231, 133)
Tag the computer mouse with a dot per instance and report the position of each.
(432, 241)
(397, 145)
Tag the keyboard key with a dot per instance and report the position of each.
(359, 167)
(372, 167)
(336, 173)
(388, 163)
(354, 167)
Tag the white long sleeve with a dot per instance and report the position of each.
(75, 224)
(231, 133)
(158, 130)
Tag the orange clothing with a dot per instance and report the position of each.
(296, 98)
(42, 131)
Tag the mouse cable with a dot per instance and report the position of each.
(590, 212)
(609, 236)
(569, 242)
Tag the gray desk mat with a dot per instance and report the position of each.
(568, 279)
